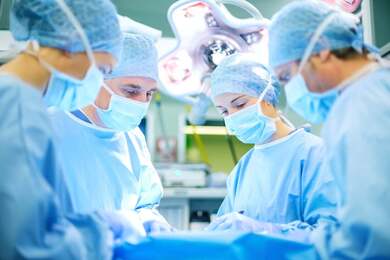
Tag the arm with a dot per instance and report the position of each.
(151, 188)
(227, 204)
(320, 196)
(360, 158)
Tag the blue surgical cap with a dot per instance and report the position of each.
(243, 74)
(139, 58)
(293, 26)
(45, 22)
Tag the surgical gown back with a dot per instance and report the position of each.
(32, 225)
(279, 182)
(357, 138)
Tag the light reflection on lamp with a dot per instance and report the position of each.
(206, 32)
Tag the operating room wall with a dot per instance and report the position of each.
(153, 13)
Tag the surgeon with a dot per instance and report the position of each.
(103, 152)
(70, 43)
(332, 77)
(276, 186)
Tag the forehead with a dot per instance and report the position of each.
(104, 58)
(226, 98)
(142, 82)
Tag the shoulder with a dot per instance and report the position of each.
(363, 104)
(63, 123)
(57, 116)
(137, 137)
(306, 143)
(372, 89)
(311, 141)
(240, 167)
(246, 157)
(25, 123)
(136, 132)
(23, 106)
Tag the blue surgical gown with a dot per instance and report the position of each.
(31, 220)
(105, 169)
(357, 138)
(279, 182)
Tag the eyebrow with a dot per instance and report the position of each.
(234, 100)
(132, 86)
(138, 87)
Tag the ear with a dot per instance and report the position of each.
(66, 53)
(268, 104)
(316, 61)
(324, 56)
(268, 109)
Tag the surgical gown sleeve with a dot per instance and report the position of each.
(320, 196)
(358, 152)
(231, 186)
(151, 188)
(31, 220)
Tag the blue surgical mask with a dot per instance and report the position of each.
(314, 107)
(68, 93)
(65, 91)
(250, 125)
(123, 114)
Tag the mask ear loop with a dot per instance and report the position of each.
(34, 44)
(35, 53)
(33, 49)
(261, 97)
(111, 92)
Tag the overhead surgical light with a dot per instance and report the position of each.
(350, 6)
(207, 32)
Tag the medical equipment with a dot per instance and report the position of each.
(9, 48)
(351, 6)
(207, 32)
(183, 175)
(375, 21)
(199, 220)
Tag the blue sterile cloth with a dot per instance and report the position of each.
(215, 245)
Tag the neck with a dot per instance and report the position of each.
(349, 67)
(282, 130)
(28, 68)
(90, 112)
